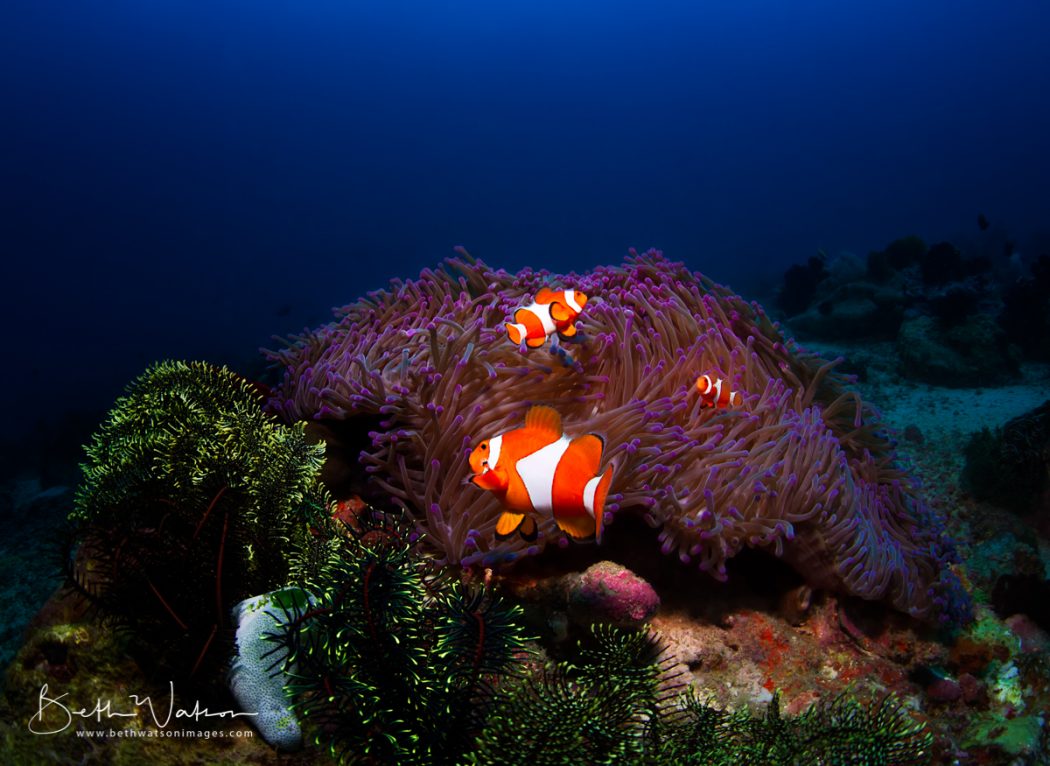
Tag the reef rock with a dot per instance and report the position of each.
(608, 592)
(972, 353)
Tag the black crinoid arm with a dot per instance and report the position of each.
(193, 499)
(391, 661)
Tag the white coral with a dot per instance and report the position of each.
(256, 675)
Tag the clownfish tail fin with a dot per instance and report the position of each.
(599, 502)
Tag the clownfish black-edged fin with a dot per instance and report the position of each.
(546, 295)
(543, 418)
(535, 342)
(560, 312)
(599, 502)
(508, 523)
(528, 529)
(590, 447)
(569, 331)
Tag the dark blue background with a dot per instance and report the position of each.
(188, 178)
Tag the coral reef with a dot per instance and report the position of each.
(1010, 466)
(618, 704)
(30, 514)
(1025, 315)
(931, 351)
(800, 285)
(957, 318)
(800, 470)
(193, 499)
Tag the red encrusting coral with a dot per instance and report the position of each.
(801, 469)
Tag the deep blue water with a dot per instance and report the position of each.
(187, 179)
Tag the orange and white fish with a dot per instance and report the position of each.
(536, 469)
(714, 392)
(553, 311)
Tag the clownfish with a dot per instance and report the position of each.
(714, 393)
(536, 470)
(553, 311)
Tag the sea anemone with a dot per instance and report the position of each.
(801, 469)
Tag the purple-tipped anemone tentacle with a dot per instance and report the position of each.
(802, 469)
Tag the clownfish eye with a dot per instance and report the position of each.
(484, 445)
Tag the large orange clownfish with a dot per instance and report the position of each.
(553, 311)
(536, 469)
(714, 392)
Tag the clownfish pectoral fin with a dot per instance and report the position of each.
(514, 333)
(569, 331)
(560, 312)
(507, 524)
(535, 342)
(528, 529)
(544, 419)
(546, 295)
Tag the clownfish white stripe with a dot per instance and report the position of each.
(543, 312)
(570, 300)
(589, 490)
(718, 389)
(494, 447)
(537, 473)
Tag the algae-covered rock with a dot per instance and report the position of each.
(609, 593)
(973, 353)
(79, 664)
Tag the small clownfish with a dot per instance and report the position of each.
(714, 393)
(536, 470)
(553, 311)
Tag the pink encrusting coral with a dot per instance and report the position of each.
(800, 469)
